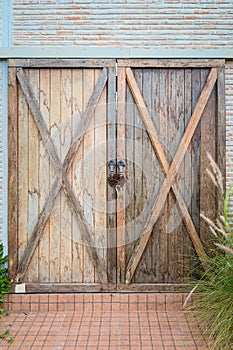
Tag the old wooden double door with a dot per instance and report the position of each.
(68, 228)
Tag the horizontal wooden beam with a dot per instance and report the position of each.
(60, 63)
(96, 287)
(171, 63)
(67, 51)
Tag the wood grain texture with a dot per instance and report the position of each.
(33, 177)
(163, 160)
(51, 149)
(12, 173)
(88, 175)
(55, 220)
(111, 192)
(169, 180)
(221, 132)
(77, 171)
(65, 142)
(208, 143)
(100, 177)
(61, 63)
(121, 193)
(170, 63)
(43, 124)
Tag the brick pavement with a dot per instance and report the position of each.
(102, 321)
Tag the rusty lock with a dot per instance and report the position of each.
(116, 180)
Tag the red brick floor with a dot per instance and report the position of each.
(110, 321)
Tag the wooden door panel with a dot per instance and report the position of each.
(56, 107)
(166, 100)
(68, 228)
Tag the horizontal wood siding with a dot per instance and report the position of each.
(166, 23)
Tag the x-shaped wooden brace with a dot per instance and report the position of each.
(170, 171)
(61, 180)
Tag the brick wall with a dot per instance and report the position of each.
(148, 23)
(229, 125)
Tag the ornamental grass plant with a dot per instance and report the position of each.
(214, 302)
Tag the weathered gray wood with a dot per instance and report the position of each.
(156, 287)
(221, 132)
(33, 192)
(172, 172)
(67, 288)
(61, 63)
(38, 119)
(86, 117)
(51, 149)
(112, 224)
(12, 173)
(138, 171)
(121, 194)
(163, 160)
(170, 63)
(208, 142)
(143, 161)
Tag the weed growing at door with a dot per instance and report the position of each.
(4, 289)
(214, 304)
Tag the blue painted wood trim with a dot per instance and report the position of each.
(6, 42)
(110, 52)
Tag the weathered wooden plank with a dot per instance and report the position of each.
(168, 182)
(178, 128)
(65, 142)
(143, 161)
(172, 143)
(170, 63)
(33, 176)
(55, 221)
(100, 177)
(221, 131)
(162, 240)
(195, 153)
(12, 173)
(23, 152)
(77, 174)
(121, 193)
(111, 215)
(208, 142)
(138, 173)
(156, 287)
(97, 288)
(130, 234)
(44, 173)
(188, 251)
(61, 63)
(67, 288)
(162, 158)
(89, 174)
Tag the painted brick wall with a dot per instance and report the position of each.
(130, 23)
(229, 125)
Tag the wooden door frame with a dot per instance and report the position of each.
(125, 75)
(123, 69)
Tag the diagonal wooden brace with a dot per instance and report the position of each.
(171, 171)
(61, 178)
